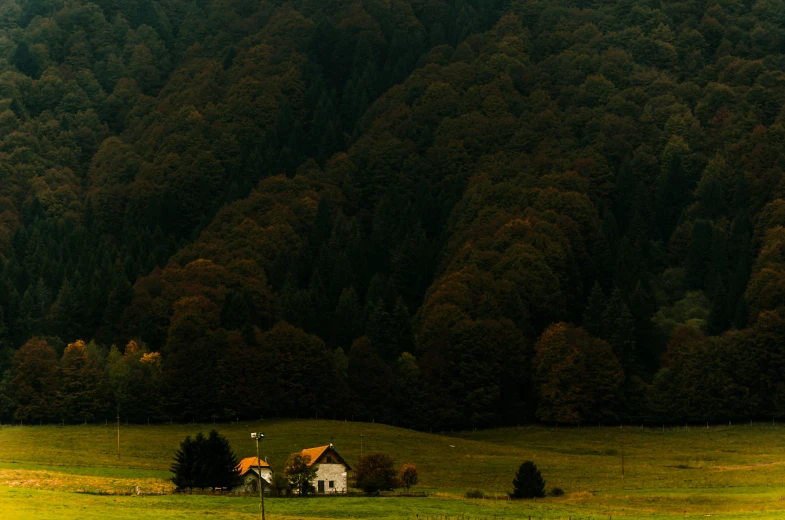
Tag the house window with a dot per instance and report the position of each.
(329, 461)
(332, 484)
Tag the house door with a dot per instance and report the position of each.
(321, 486)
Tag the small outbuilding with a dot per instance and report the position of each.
(331, 470)
(249, 469)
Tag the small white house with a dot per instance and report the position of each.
(331, 470)
(249, 469)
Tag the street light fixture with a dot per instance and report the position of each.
(256, 437)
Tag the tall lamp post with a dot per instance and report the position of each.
(256, 437)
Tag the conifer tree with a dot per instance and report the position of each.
(593, 316)
(528, 482)
(205, 462)
(619, 330)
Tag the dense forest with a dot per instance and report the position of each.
(432, 213)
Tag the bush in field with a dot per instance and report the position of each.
(376, 473)
(205, 462)
(557, 492)
(475, 493)
(528, 482)
(409, 475)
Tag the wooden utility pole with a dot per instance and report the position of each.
(258, 436)
(118, 436)
(261, 486)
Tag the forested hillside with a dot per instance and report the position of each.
(434, 213)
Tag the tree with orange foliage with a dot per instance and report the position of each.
(409, 475)
(82, 384)
(579, 376)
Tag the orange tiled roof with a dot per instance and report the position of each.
(315, 453)
(250, 462)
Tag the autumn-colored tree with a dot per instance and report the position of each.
(300, 472)
(81, 394)
(409, 475)
(579, 377)
(34, 380)
(376, 472)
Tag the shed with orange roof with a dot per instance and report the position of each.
(250, 468)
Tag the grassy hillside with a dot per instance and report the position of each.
(732, 472)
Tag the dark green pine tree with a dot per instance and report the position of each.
(361, 87)
(618, 326)
(28, 316)
(626, 183)
(528, 482)
(349, 322)
(378, 292)
(120, 295)
(602, 256)
(380, 329)
(721, 314)
(236, 312)
(410, 265)
(402, 328)
(186, 464)
(718, 268)
(319, 318)
(648, 339)
(66, 313)
(739, 248)
(295, 303)
(25, 61)
(699, 254)
(593, 315)
(672, 196)
(219, 462)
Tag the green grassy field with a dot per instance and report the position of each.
(723, 472)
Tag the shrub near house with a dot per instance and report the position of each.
(376, 473)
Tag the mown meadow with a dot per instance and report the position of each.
(722, 471)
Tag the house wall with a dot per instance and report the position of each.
(334, 472)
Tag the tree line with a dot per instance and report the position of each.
(438, 214)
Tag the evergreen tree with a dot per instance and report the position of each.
(699, 254)
(349, 323)
(205, 462)
(528, 482)
(186, 466)
(220, 462)
(25, 61)
(81, 392)
(593, 320)
(619, 330)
